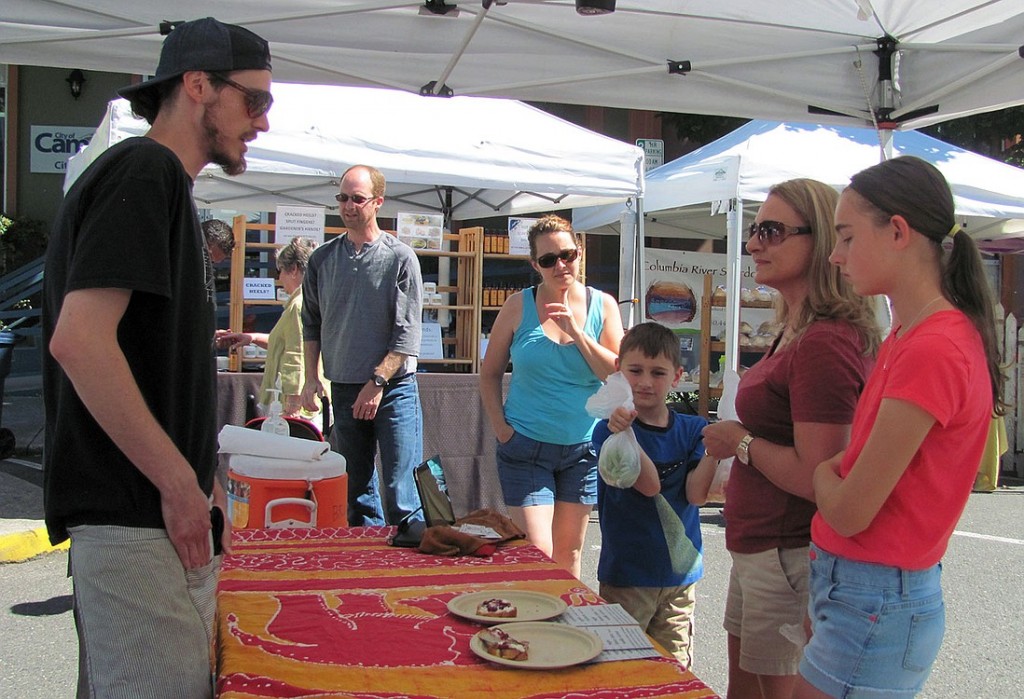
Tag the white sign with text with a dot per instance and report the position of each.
(258, 289)
(296, 221)
(518, 235)
(51, 146)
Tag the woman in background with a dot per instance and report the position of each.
(888, 505)
(284, 342)
(563, 339)
(796, 405)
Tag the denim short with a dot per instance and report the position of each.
(876, 629)
(538, 473)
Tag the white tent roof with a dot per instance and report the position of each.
(744, 164)
(835, 61)
(499, 157)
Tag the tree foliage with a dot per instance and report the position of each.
(986, 134)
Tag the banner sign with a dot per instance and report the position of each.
(675, 284)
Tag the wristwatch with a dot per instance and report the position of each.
(743, 449)
(379, 381)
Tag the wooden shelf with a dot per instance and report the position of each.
(504, 256)
(708, 346)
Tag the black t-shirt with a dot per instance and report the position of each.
(129, 222)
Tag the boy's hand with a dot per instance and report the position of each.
(621, 419)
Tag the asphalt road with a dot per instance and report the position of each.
(981, 655)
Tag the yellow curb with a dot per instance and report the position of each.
(22, 546)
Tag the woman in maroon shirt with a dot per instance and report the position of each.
(796, 406)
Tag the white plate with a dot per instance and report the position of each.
(531, 606)
(552, 645)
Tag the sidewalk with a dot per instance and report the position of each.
(22, 532)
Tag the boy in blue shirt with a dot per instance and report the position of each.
(651, 550)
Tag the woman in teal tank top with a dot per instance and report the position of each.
(563, 339)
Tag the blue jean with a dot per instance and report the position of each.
(876, 629)
(398, 431)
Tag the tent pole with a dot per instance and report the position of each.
(627, 269)
(734, 270)
(640, 269)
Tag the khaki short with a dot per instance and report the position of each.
(767, 590)
(665, 613)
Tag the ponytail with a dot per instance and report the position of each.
(964, 285)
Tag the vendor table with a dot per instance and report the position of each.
(454, 426)
(339, 613)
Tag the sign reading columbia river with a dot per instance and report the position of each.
(675, 283)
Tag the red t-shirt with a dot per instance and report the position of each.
(940, 366)
(817, 378)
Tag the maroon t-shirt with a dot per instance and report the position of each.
(817, 378)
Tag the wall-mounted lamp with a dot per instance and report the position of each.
(76, 79)
(595, 7)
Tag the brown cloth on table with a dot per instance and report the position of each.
(447, 541)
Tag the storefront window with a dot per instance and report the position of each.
(3, 136)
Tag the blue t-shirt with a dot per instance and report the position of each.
(653, 541)
(551, 383)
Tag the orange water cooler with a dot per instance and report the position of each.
(266, 493)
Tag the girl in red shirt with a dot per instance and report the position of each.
(888, 504)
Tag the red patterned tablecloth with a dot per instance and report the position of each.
(339, 613)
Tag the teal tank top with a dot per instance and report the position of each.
(551, 382)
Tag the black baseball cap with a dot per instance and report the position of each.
(208, 45)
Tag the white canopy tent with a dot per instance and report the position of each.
(909, 62)
(712, 191)
(468, 157)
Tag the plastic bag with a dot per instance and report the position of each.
(619, 461)
(726, 411)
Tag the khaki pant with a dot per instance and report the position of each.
(665, 613)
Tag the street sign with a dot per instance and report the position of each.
(654, 152)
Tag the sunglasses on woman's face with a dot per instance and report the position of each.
(357, 199)
(257, 102)
(549, 260)
(774, 232)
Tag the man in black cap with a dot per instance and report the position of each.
(129, 373)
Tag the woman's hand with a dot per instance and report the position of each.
(621, 419)
(563, 316)
(232, 340)
(504, 434)
(722, 438)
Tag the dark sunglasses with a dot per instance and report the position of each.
(357, 199)
(257, 102)
(774, 232)
(548, 261)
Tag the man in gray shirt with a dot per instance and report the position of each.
(362, 313)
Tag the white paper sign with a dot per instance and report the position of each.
(295, 221)
(258, 289)
(430, 342)
(421, 231)
(518, 231)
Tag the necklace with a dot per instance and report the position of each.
(904, 329)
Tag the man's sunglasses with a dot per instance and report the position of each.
(548, 261)
(257, 102)
(357, 199)
(774, 232)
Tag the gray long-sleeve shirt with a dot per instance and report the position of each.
(359, 306)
